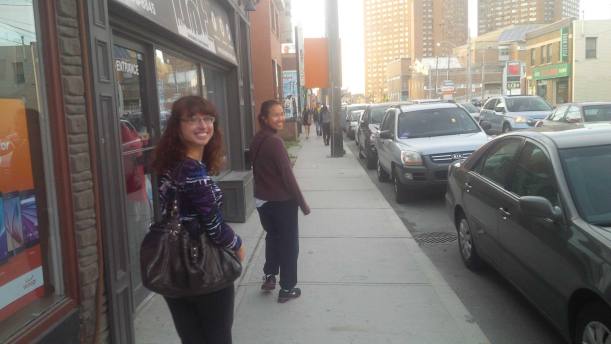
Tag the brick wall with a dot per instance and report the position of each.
(85, 218)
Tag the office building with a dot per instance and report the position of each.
(396, 29)
(495, 14)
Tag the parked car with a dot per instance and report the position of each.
(346, 111)
(507, 113)
(367, 131)
(536, 206)
(577, 114)
(471, 109)
(353, 122)
(416, 144)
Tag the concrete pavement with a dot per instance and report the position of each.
(363, 277)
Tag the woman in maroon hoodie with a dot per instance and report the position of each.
(277, 197)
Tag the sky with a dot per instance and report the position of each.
(310, 14)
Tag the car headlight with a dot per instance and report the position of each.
(410, 158)
(521, 119)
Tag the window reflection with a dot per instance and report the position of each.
(176, 77)
(27, 286)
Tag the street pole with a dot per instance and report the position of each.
(436, 75)
(448, 70)
(468, 93)
(483, 72)
(335, 78)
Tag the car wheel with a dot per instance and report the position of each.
(506, 128)
(399, 188)
(593, 325)
(371, 161)
(382, 175)
(468, 253)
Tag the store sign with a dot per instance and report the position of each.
(564, 44)
(560, 70)
(21, 277)
(300, 54)
(204, 22)
(289, 88)
(513, 85)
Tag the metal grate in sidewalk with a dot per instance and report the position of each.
(435, 238)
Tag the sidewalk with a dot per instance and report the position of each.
(363, 278)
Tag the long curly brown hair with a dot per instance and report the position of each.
(171, 148)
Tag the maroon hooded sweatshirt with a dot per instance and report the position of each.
(274, 178)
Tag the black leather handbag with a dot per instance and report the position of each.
(174, 263)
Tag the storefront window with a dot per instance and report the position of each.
(176, 77)
(135, 128)
(30, 277)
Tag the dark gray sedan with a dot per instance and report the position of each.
(536, 206)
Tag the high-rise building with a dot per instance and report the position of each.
(495, 14)
(396, 29)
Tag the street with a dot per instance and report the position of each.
(502, 313)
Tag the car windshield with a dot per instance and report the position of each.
(597, 113)
(377, 114)
(355, 115)
(587, 171)
(435, 122)
(469, 107)
(526, 104)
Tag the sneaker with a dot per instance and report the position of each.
(284, 295)
(269, 283)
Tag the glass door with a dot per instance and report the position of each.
(136, 128)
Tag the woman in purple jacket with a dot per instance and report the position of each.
(189, 152)
(277, 197)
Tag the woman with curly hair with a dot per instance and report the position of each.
(189, 152)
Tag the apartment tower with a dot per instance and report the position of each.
(496, 14)
(396, 29)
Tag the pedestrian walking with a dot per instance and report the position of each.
(307, 121)
(189, 152)
(277, 197)
(316, 120)
(325, 119)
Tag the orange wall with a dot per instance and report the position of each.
(265, 46)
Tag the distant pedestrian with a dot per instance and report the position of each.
(325, 119)
(188, 153)
(307, 121)
(316, 120)
(277, 197)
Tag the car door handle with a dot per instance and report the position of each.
(468, 187)
(504, 213)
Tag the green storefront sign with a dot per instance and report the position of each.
(564, 44)
(554, 71)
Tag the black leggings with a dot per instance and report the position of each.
(279, 220)
(204, 319)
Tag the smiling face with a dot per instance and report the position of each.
(275, 117)
(196, 130)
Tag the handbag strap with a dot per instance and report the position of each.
(174, 204)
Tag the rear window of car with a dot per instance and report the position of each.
(597, 113)
(469, 107)
(435, 122)
(587, 170)
(526, 104)
(377, 114)
(355, 115)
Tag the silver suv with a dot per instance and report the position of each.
(417, 143)
(504, 114)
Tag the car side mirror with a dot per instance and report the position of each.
(539, 207)
(573, 120)
(386, 135)
(500, 109)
